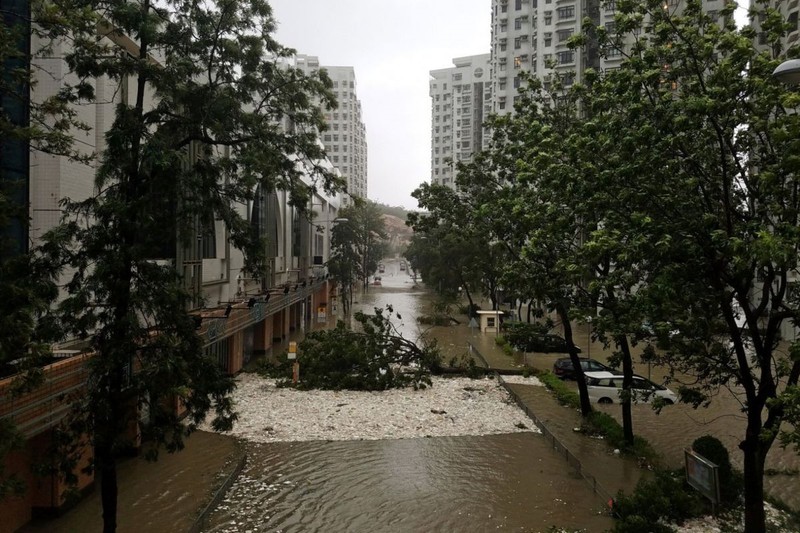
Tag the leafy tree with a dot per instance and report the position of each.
(451, 248)
(374, 356)
(709, 179)
(358, 244)
(202, 127)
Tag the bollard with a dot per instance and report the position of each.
(292, 356)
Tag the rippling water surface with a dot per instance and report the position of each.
(502, 482)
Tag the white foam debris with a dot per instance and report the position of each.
(522, 380)
(451, 407)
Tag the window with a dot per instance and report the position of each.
(565, 57)
(503, 46)
(457, 77)
(517, 62)
(567, 12)
(548, 17)
(517, 23)
(504, 8)
(518, 4)
(517, 43)
(613, 51)
(504, 26)
(563, 35)
(516, 82)
(611, 27)
(548, 39)
(611, 5)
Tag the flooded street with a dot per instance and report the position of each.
(500, 482)
(506, 482)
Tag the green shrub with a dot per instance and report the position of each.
(469, 310)
(730, 482)
(564, 395)
(664, 498)
(374, 358)
(599, 423)
(436, 320)
(533, 337)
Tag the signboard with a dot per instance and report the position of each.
(703, 475)
(322, 314)
(292, 354)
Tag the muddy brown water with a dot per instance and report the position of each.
(513, 482)
(510, 482)
(677, 426)
(500, 482)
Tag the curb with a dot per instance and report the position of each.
(558, 446)
(202, 518)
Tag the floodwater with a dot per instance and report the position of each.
(501, 482)
(677, 426)
(513, 482)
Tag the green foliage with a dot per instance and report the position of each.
(564, 395)
(10, 440)
(435, 320)
(358, 244)
(451, 248)
(730, 481)
(471, 310)
(197, 136)
(467, 365)
(664, 498)
(376, 357)
(599, 423)
(534, 337)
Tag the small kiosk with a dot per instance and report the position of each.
(490, 321)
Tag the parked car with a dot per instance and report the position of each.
(606, 387)
(402, 265)
(563, 367)
(377, 280)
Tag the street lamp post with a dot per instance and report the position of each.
(788, 72)
(589, 337)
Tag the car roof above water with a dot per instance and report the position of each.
(602, 374)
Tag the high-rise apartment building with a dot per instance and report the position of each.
(460, 102)
(532, 36)
(346, 138)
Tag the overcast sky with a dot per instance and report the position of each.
(392, 45)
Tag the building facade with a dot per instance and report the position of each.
(460, 103)
(346, 137)
(238, 315)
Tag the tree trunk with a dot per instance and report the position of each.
(627, 383)
(586, 406)
(107, 468)
(754, 517)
